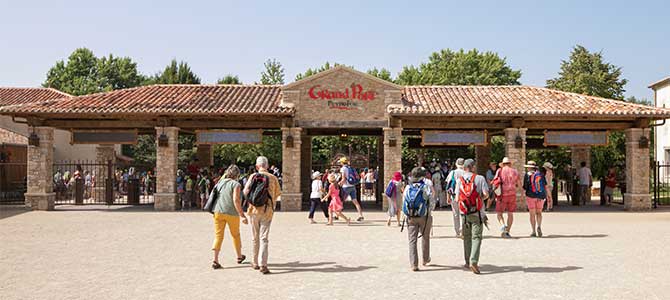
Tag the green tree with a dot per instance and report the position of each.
(586, 73)
(177, 73)
(447, 67)
(229, 79)
(84, 73)
(310, 71)
(382, 73)
(273, 73)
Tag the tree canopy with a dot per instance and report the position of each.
(176, 73)
(84, 73)
(310, 71)
(273, 73)
(473, 67)
(229, 79)
(382, 73)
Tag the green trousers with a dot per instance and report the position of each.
(472, 238)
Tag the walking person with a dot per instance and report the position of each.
(262, 190)
(416, 207)
(348, 182)
(393, 193)
(203, 187)
(535, 185)
(490, 175)
(315, 197)
(451, 181)
(369, 182)
(471, 191)
(227, 212)
(509, 178)
(335, 206)
(549, 176)
(610, 184)
(585, 182)
(438, 186)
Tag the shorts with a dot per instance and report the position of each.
(506, 203)
(609, 190)
(349, 191)
(534, 203)
(368, 185)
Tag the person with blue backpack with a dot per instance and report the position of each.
(416, 206)
(348, 182)
(535, 185)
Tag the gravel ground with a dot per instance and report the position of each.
(135, 253)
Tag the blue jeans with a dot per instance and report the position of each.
(314, 202)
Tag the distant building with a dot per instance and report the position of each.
(662, 99)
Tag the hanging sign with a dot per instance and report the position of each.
(350, 98)
(575, 138)
(121, 137)
(453, 138)
(213, 137)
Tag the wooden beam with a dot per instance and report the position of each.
(453, 124)
(578, 125)
(150, 124)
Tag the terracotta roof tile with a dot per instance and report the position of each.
(513, 101)
(18, 96)
(176, 99)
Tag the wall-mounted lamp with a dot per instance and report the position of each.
(344, 136)
(644, 142)
(393, 141)
(289, 141)
(518, 142)
(34, 140)
(163, 140)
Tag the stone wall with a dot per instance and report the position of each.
(40, 195)
(392, 156)
(637, 195)
(580, 154)
(291, 197)
(10, 137)
(165, 198)
(518, 157)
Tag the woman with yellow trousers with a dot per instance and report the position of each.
(228, 211)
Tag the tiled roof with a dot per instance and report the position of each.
(514, 101)
(659, 83)
(173, 99)
(17, 96)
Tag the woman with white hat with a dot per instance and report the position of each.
(549, 176)
(315, 197)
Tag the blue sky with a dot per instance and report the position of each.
(221, 37)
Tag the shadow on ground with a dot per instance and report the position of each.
(493, 269)
(10, 211)
(551, 236)
(318, 267)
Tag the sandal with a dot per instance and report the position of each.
(216, 265)
(241, 259)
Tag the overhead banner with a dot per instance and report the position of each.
(575, 138)
(453, 138)
(214, 137)
(122, 137)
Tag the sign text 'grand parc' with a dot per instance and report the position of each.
(348, 98)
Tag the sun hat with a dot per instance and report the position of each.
(316, 174)
(505, 160)
(530, 164)
(344, 160)
(460, 162)
(548, 165)
(397, 176)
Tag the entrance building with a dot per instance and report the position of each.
(339, 100)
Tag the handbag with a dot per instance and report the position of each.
(211, 202)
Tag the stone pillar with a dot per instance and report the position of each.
(518, 157)
(40, 192)
(306, 167)
(392, 156)
(637, 196)
(205, 156)
(291, 197)
(580, 154)
(483, 157)
(103, 154)
(165, 197)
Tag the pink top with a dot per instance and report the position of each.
(334, 193)
(510, 178)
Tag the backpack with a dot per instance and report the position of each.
(414, 203)
(352, 176)
(469, 200)
(451, 185)
(390, 190)
(259, 195)
(536, 188)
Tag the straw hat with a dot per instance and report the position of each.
(548, 165)
(505, 160)
(530, 164)
(316, 175)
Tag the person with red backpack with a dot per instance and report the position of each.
(535, 185)
(261, 191)
(471, 191)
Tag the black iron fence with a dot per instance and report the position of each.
(12, 183)
(661, 183)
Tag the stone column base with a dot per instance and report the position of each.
(165, 201)
(291, 202)
(41, 201)
(636, 202)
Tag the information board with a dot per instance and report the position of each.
(213, 137)
(123, 137)
(575, 138)
(453, 138)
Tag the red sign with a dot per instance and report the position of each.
(355, 92)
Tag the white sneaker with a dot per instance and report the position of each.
(503, 228)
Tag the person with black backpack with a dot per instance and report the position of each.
(471, 191)
(416, 206)
(261, 191)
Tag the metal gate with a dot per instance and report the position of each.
(661, 183)
(12, 182)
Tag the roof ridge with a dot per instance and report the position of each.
(615, 101)
(465, 86)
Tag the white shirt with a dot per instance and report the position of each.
(584, 176)
(370, 177)
(345, 171)
(316, 189)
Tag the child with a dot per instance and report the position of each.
(335, 206)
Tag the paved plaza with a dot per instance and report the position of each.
(135, 253)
